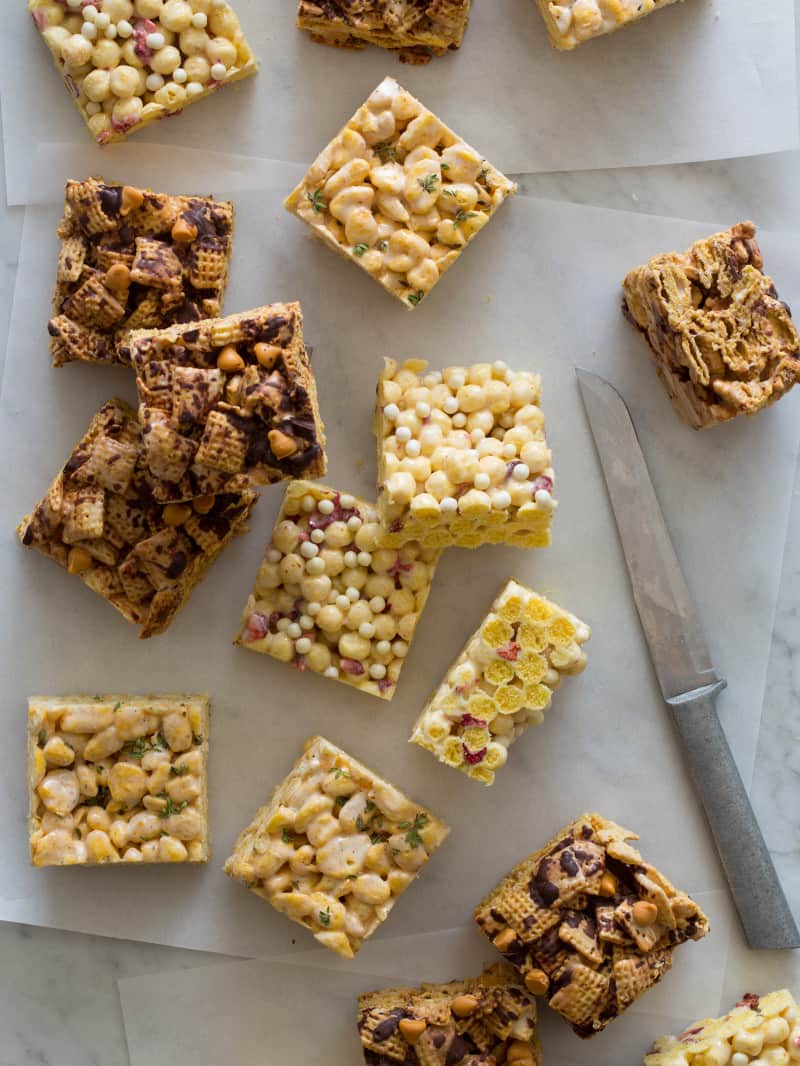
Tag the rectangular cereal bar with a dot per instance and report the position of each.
(118, 779)
(228, 403)
(127, 65)
(100, 522)
(502, 682)
(722, 341)
(134, 259)
(335, 847)
(486, 1019)
(330, 598)
(571, 22)
(589, 923)
(462, 456)
(398, 193)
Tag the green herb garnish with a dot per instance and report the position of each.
(462, 216)
(42, 737)
(325, 916)
(429, 182)
(415, 297)
(359, 250)
(317, 200)
(386, 151)
(170, 807)
(116, 707)
(286, 836)
(179, 771)
(413, 839)
(340, 801)
(100, 800)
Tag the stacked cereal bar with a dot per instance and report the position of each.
(330, 598)
(486, 1019)
(228, 403)
(462, 456)
(127, 63)
(589, 923)
(132, 259)
(335, 846)
(399, 193)
(762, 1030)
(99, 521)
(571, 22)
(501, 682)
(722, 341)
(118, 779)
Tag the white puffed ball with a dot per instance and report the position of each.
(101, 20)
(282, 625)
(352, 593)
(343, 603)
(383, 647)
(544, 500)
(448, 505)
(302, 646)
(90, 12)
(306, 623)
(350, 559)
(499, 367)
(377, 604)
(308, 549)
(179, 75)
(317, 535)
(521, 472)
(326, 507)
(274, 556)
(294, 631)
(153, 82)
(308, 504)
(110, 32)
(331, 671)
(347, 501)
(399, 649)
(315, 566)
(423, 409)
(413, 449)
(391, 412)
(501, 500)
(124, 28)
(124, 81)
(73, 5)
(509, 451)
(354, 523)
(199, 20)
(218, 71)
(403, 434)
(155, 41)
(313, 608)
(89, 31)
(366, 629)
(377, 670)
(481, 481)
(740, 1059)
(450, 405)
(364, 558)
(97, 86)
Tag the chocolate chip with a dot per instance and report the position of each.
(110, 199)
(177, 565)
(388, 1026)
(568, 863)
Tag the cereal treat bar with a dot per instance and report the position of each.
(762, 1030)
(462, 456)
(335, 846)
(722, 341)
(418, 29)
(99, 521)
(571, 22)
(483, 1020)
(131, 258)
(502, 682)
(228, 403)
(589, 923)
(398, 193)
(118, 779)
(330, 598)
(127, 63)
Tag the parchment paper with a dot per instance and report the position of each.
(702, 80)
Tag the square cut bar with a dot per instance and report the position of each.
(134, 259)
(335, 847)
(486, 1019)
(127, 65)
(589, 923)
(722, 341)
(398, 193)
(759, 1029)
(571, 22)
(118, 779)
(502, 682)
(330, 598)
(100, 522)
(228, 403)
(462, 456)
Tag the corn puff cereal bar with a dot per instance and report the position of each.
(330, 598)
(335, 847)
(502, 682)
(134, 259)
(128, 63)
(100, 522)
(722, 341)
(589, 923)
(118, 779)
(398, 193)
(486, 1019)
(228, 403)
(462, 456)
(571, 22)
(762, 1030)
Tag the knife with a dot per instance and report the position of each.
(682, 662)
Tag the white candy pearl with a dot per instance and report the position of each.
(282, 625)
(449, 505)
(179, 75)
(308, 503)
(378, 671)
(90, 12)
(544, 500)
(347, 501)
(111, 32)
(294, 631)
(308, 549)
(317, 536)
(423, 409)
(354, 523)
(101, 20)
(315, 566)
(403, 434)
(481, 481)
(377, 604)
(194, 88)
(391, 411)
(303, 646)
(124, 28)
(274, 556)
(153, 82)
(459, 420)
(501, 499)
(155, 41)
(383, 647)
(325, 507)
(521, 472)
(74, 4)
(89, 31)
(342, 603)
(331, 671)
(350, 559)
(306, 623)
(352, 594)
(366, 629)
(199, 20)
(509, 451)
(413, 448)
(450, 405)
(218, 71)
(313, 608)
(364, 559)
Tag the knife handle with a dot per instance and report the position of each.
(748, 866)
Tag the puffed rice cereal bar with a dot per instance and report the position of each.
(118, 779)
(762, 1030)
(462, 456)
(100, 522)
(486, 1019)
(589, 923)
(398, 193)
(571, 22)
(134, 259)
(128, 63)
(335, 847)
(330, 598)
(722, 341)
(502, 682)
(228, 403)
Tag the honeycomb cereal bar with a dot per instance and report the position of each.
(330, 598)
(228, 403)
(502, 682)
(335, 847)
(100, 522)
(571, 22)
(722, 341)
(398, 193)
(118, 779)
(462, 456)
(128, 63)
(589, 923)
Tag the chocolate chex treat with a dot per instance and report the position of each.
(589, 923)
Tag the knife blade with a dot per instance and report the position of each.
(682, 662)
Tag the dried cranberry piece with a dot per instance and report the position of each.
(542, 483)
(473, 757)
(470, 719)
(510, 652)
(352, 666)
(256, 628)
